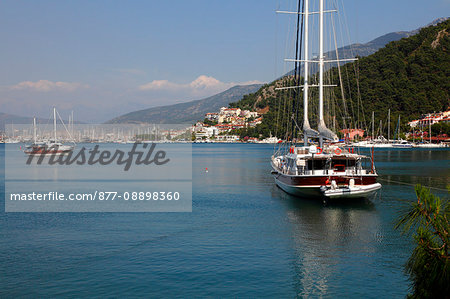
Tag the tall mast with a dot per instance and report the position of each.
(323, 131)
(322, 128)
(381, 126)
(321, 62)
(296, 72)
(307, 131)
(54, 123)
(305, 88)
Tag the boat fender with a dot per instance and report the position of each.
(333, 185)
(319, 150)
(337, 151)
(351, 183)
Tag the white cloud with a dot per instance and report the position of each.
(203, 84)
(46, 85)
(161, 85)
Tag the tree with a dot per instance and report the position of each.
(440, 128)
(429, 264)
(209, 122)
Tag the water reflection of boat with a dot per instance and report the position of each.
(326, 238)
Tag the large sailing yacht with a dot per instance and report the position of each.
(326, 170)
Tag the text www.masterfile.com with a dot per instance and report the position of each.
(96, 195)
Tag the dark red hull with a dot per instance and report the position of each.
(308, 186)
(46, 151)
(322, 180)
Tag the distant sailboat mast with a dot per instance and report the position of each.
(54, 124)
(34, 130)
(373, 124)
(389, 123)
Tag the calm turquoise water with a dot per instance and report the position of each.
(244, 238)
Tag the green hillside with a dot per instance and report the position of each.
(409, 76)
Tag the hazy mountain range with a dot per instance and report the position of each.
(11, 119)
(187, 112)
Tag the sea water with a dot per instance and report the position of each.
(244, 237)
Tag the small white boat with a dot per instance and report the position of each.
(372, 143)
(12, 140)
(403, 144)
(333, 191)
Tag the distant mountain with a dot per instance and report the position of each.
(8, 119)
(188, 112)
(371, 47)
(363, 50)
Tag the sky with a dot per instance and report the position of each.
(105, 58)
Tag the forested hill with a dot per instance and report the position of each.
(409, 76)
